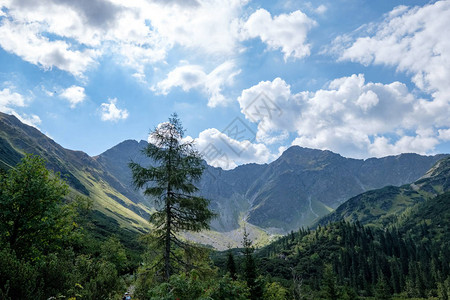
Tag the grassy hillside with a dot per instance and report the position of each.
(383, 206)
(408, 259)
(84, 174)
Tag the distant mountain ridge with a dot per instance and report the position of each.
(383, 206)
(83, 173)
(298, 188)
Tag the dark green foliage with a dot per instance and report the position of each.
(114, 252)
(410, 257)
(228, 289)
(191, 287)
(329, 284)
(384, 206)
(250, 272)
(45, 251)
(231, 265)
(382, 290)
(32, 216)
(18, 278)
(171, 184)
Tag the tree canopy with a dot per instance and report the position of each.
(170, 182)
(31, 198)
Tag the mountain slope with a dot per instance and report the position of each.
(83, 174)
(299, 187)
(382, 206)
(296, 189)
(410, 257)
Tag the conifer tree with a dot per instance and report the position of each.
(382, 288)
(231, 265)
(250, 271)
(171, 184)
(329, 284)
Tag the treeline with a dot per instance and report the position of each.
(409, 259)
(53, 244)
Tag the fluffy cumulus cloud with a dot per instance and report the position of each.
(422, 142)
(189, 77)
(287, 32)
(110, 112)
(37, 32)
(210, 26)
(71, 35)
(9, 100)
(412, 40)
(74, 94)
(220, 149)
(444, 134)
(351, 116)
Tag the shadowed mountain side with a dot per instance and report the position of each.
(383, 206)
(299, 187)
(304, 184)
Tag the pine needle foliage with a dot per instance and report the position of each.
(170, 182)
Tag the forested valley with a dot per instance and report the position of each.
(55, 245)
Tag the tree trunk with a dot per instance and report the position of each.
(167, 240)
(168, 222)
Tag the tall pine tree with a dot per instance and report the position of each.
(250, 270)
(231, 265)
(171, 184)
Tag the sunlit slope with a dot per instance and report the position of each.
(83, 173)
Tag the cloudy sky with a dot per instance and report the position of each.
(248, 78)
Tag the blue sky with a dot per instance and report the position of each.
(247, 78)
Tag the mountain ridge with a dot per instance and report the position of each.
(258, 193)
(296, 189)
(379, 207)
(83, 173)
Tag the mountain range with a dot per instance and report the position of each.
(295, 190)
(382, 207)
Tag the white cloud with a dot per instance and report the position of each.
(194, 77)
(26, 41)
(414, 41)
(321, 9)
(352, 117)
(287, 32)
(167, 130)
(220, 150)
(9, 100)
(74, 94)
(72, 35)
(211, 26)
(110, 112)
(421, 143)
(444, 134)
